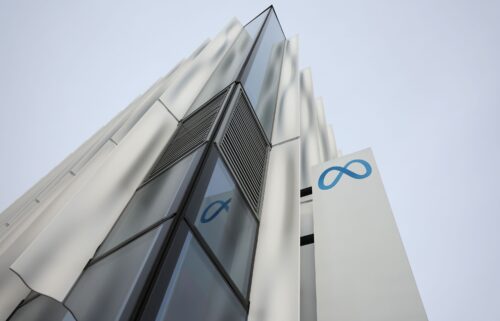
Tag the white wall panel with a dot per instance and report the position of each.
(55, 259)
(286, 120)
(309, 151)
(323, 142)
(274, 293)
(192, 76)
(26, 228)
(362, 272)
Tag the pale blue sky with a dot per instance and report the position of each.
(418, 81)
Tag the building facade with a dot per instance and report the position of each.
(194, 203)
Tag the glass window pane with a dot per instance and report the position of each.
(42, 308)
(261, 78)
(197, 292)
(108, 289)
(227, 225)
(151, 203)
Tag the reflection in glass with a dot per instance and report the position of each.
(227, 225)
(261, 77)
(197, 292)
(42, 308)
(151, 203)
(107, 290)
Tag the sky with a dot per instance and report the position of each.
(418, 81)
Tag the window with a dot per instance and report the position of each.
(261, 77)
(156, 200)
(225, 221)
(196, 291)
(108, 289)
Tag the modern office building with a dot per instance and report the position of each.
(197, 201)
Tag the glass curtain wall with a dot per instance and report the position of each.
(261, 75)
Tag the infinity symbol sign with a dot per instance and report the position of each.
(223, 205)
(342, 171)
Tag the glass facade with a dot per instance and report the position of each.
(108, 289)
(156, 200)
(197, 292)
(261, 76)
(225, 221)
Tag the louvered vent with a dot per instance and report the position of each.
(190, 133)
(245, 149)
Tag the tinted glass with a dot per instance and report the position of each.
(151, 203)
(197, 292)
(226, 223)
(42, 309)
(107, 290)
(261, 77)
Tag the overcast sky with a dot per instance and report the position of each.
(418, 81)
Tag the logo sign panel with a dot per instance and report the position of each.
(341, 170)
(362, 272)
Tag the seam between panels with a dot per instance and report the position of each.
(286, 141)
(170, 112)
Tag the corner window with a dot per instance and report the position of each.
(222, 216)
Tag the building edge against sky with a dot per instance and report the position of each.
(201, 190)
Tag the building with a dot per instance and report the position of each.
(196, 202)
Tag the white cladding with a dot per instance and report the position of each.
(362, 272)
(51, 267)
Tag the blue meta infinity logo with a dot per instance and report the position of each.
(221, 206)
(343, 170)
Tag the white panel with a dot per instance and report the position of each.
(362, 272)
(309, 149)
(102, 139)
(332, 143)
(200, 48)
(307, 284)
(274, 294)
(287, 116)
(195, 72)
(323, 142)
(55, 259)
(18, 207)
(27, 227)
(145, 101)
(306, 218)
(227, 71)
(55, 188)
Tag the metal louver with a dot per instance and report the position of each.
(244, 147)
(190, 133)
